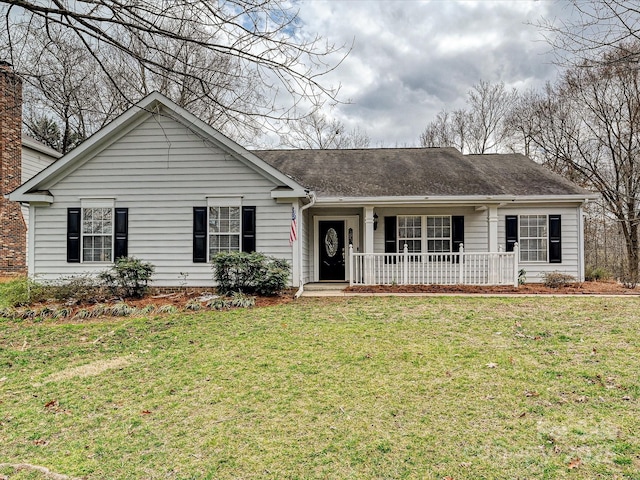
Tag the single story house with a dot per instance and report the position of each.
(159, 184)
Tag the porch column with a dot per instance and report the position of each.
(368, 230)
(369, 276)
(492, 215)
(492, 232)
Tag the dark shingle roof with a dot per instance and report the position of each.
(388, 172)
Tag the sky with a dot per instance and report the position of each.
(411, 58)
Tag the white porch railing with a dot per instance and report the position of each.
(464, 268)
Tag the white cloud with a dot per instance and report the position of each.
(411, 59)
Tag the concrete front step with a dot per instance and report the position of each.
(325, 286)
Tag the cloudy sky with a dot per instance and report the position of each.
(413, 58)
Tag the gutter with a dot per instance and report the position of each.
(312, 202)
(456, 200)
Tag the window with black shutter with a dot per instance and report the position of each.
(555, 240)
(121, 248)
(390, 236)
(457, 234)
(73, 235)
(511, 231)
(249, 229)
(199, 234)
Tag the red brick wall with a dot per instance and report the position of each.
(12, 227)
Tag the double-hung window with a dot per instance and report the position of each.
(97, 231)
(418, 231)
(224, 225)
(224, 229)
(438, 234)
(533, 238)
(410, 233)
(539, 237)
(97, 234)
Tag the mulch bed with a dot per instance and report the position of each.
(585, 288)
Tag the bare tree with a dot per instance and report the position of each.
(317, 131)
(439, 132)
(489, 106)
(63, 87)
(588, 129)
(201, 51)
(479, 129)
(593, 30)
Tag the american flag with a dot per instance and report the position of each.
(293, 233)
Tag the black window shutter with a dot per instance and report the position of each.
(555, 242)
(511, 231)
(73, 235)
(457, 235)
(122, 233)
(199, 234)
(390, 236)
(457, 232)
(248, 229)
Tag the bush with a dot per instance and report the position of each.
(557, 279)
(522, 276)
(629, 281)
(250, 273)
(21, 292)
(596, 274)
(82, 288)
(128, 277)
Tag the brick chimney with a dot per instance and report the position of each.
(13, 231)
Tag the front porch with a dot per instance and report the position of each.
(461, 268)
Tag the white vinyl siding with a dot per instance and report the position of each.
(33, 162)
(570, 239)
(160, 170)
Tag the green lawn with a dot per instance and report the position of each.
(386, 387)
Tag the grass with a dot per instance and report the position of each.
(376, 387)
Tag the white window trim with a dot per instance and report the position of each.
(402, 240)
(87, 203)
(212, 203)
(546, 238)
(424, 240)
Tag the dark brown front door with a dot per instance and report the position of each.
(332, 253)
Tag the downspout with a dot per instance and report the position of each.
(312, 200)
(581, 254)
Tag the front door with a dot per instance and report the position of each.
(332, 253)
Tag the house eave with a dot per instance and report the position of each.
(469, 200)
(288, 193)
(42, 198)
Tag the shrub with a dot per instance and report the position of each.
(128, 277)
(629, 281)
(194, 305)
(522, 276)
(596, 274)
(83, 288)
(167, 309)
(241, 300)
(21, 292)
(250, 273)
(120, 310)
(557, 279)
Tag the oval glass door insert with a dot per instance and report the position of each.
(331, 242)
